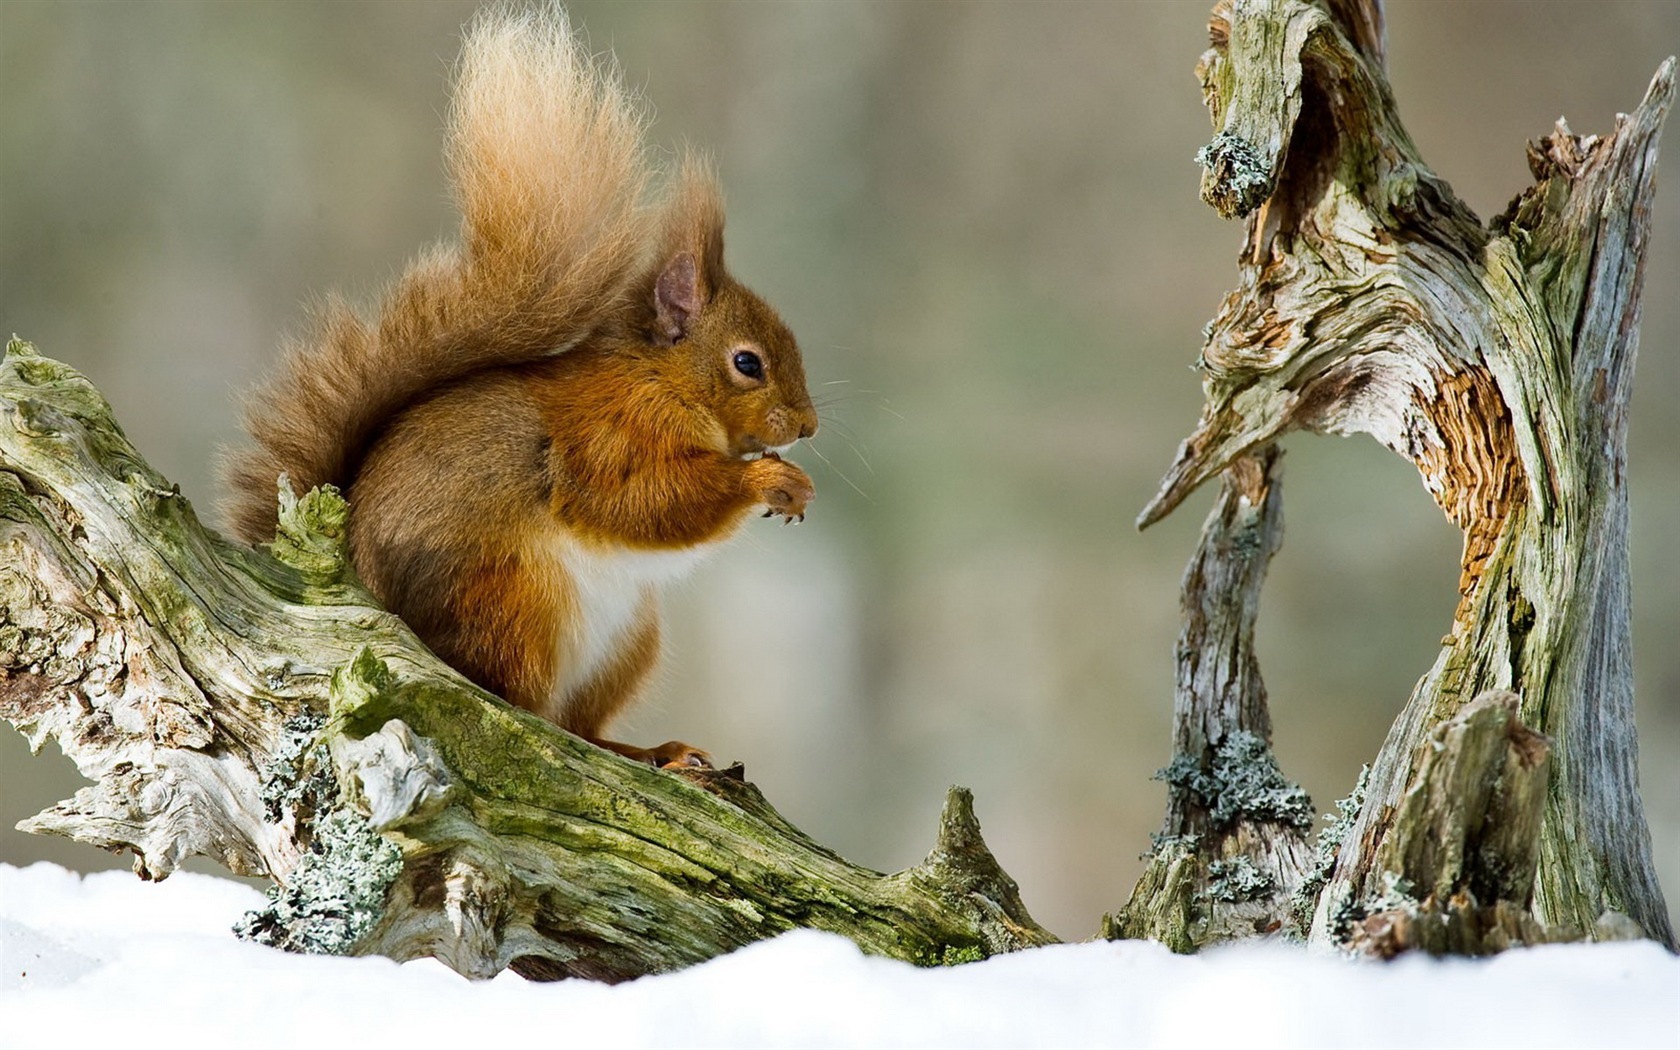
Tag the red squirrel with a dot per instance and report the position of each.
(549, 421)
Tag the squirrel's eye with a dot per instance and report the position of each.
(749, 364)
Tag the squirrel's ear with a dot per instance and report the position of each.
(692, 235)
(677, 297)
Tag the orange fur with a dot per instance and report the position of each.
(543, 421)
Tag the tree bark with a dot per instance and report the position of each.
(264, 712)
(1499, 360)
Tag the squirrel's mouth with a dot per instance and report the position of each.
(755, 448)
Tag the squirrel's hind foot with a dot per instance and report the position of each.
(672, 754)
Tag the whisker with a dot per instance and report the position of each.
(857, 450)
(844, 429)
(846, 434)
(835, 421)
(861, 457)
(837, 470)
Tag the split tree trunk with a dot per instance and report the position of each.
(1504, 806)
(264, 712)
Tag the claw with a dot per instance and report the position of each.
(768, 514)
(802, 519)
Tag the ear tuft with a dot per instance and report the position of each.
(691, 218)
(677, 296)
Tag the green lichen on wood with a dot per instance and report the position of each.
(612, 826)
(313, 530)
(364, 694)
(1239, 175)
(27, 364)
(955, 956)
(336, 894)
(1166, 904)
(297, 781)
(1237, 879)
(1242, 782)
(1328, 847)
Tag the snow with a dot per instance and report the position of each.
(106, 958)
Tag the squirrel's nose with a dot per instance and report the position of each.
(808, 423)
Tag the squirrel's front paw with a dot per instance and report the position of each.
(781, 486)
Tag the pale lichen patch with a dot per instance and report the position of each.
(1237, 879)
(335, 895)
(1329, 847)
(1235, 176)
(1242, 782)
(337, 891)
(297, 780)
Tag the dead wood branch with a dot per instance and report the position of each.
(263, 711)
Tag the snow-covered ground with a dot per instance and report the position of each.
(107, 960)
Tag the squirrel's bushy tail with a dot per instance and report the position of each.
(546, 153)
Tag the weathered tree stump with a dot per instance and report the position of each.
(1499, 360)
(261, 710)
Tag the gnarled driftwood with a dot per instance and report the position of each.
(262, 710)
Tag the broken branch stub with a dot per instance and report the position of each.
(1459, 865)
(264, 712)
(1498, 360)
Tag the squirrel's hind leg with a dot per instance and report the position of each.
(501, 630)
(587, 709)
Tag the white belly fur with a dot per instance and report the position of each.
(608, 587)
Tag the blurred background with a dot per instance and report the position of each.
(981, 219)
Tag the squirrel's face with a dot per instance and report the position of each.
(751, 363)
(736, 356)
